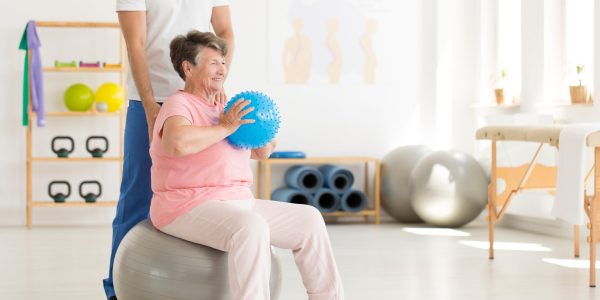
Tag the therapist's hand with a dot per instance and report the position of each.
(221, 97)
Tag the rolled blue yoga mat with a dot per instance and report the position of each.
(353, 201)
(325, 200)
(305, 178)
(291, 195)
(338, 179)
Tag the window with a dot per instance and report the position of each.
(579, 15)
(509, 46)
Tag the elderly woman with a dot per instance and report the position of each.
(201, 183)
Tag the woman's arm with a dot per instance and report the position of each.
(133, 26)
(264, 152)
(180, 137)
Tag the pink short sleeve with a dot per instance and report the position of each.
(176, 105)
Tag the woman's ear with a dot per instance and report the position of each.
(187, 68)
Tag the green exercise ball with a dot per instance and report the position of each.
(79, 97)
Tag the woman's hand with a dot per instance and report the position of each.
(264, 152)
(232, 119)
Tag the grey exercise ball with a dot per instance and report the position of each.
(152, 265)
(396, 168)
(449, 188)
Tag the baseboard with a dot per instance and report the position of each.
(549, 227)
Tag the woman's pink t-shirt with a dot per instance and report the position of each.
(220, 171)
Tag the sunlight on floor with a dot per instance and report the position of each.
(507, 246)
(436, 231)
(571, 263)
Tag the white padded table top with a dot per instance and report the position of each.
(542, 134)
(549, 134)
(545, 134)
(505, 133)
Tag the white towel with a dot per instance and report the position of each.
(571, 173)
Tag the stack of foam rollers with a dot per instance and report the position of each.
(328, 188)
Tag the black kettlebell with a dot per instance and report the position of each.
(90, 197)
(59, 197)
(96, 152)
(63, 152)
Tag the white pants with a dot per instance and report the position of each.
(247, 228)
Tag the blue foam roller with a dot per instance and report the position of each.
(288, 154)
(353, 201)
(325, 200)
(266, 121)
(338, 179)
(305, 178)
(291, 195)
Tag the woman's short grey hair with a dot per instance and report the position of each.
(187, 47)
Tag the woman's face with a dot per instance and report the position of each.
(209, 71)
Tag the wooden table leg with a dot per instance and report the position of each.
(492, 202)
(576, 240)
(491, 220)
(594, 217)
(593, 240)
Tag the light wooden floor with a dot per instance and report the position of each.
(376, 262)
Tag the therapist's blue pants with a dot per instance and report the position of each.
(136, 192)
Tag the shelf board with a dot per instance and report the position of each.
(80, 114)
(74, 203)
(507, 106)
(82, 69)
(567, 104)
(366, 212)
(494, 105)
(77, 24)
(321, 160)
(75, 159)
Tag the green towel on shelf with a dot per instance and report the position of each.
(23, 46)
(33, 85)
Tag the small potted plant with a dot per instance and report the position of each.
(579, 93)
(499, 91)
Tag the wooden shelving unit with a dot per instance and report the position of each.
(75, 159)
(103, 203)
(79, 113)
(83, 70)
(373, 210)
(122, 71)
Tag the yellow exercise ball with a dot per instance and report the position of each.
(112, 94)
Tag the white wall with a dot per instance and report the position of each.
(426, 97)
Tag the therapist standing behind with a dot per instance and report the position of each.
(148, 27)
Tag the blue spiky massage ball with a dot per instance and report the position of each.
(266, 121)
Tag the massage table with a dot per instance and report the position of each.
(534, 176)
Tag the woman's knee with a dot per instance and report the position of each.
(312, 219)
(253, 226)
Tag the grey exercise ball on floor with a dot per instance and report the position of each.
(396, 168)
(449, 188)
(152, 265)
